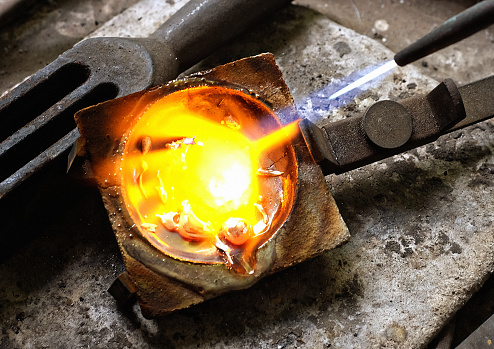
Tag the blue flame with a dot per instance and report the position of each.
(337, 95)
(364, 79)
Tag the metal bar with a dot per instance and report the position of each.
(386, 129)
(197, 27)
(478, 99)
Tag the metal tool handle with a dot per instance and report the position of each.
(453, 30)
(201, 26)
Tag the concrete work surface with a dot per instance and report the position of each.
(421, 222)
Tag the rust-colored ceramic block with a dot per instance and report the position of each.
(175, 267)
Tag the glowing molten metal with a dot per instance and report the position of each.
(196, 175)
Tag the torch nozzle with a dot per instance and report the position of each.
(455, 29)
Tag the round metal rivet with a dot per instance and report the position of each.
(388, 124)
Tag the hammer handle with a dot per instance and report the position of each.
(202, 26)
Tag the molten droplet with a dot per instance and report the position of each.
(190, 227)
(170, 220)
(236, 231)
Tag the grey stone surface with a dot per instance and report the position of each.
(397, 24)
(45, 30)
(421, 223)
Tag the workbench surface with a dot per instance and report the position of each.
(421, 222)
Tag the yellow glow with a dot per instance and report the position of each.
(220, 160)
(231, 183)
(192, 174)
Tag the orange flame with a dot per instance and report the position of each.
(278, 137)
